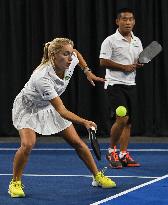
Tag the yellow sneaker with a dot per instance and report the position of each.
(16, 189)
(103, 181)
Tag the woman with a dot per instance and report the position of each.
(38, 108)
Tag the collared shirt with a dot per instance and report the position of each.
(118, 49)
(45, 85)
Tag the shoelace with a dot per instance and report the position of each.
(18, 185)
(102, 173)
(103, 170)
(115, 156)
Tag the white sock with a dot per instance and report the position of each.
(122, 154)
(110, 150)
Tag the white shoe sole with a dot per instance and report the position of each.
(95, 184)
(15, 196)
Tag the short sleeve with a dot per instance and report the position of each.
(141, 47)
(45, 87)
(106, 49)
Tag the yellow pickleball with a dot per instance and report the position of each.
(121, 111)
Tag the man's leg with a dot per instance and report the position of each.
(124, 156)
(116, 98)
(115, 133)
(125, 137)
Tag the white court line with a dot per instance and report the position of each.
(130, 190)
(74, 175)
(70, 149)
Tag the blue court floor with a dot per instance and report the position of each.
(55, 175)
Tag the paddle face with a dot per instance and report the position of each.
(94, 143)
(152, 50)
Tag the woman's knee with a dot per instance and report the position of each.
(78, 145)
(27, 147)
(28, 140)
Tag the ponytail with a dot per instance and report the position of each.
(45, 54)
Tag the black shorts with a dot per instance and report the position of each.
(121, 95)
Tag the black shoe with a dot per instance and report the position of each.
(114, 161)
(127, 161)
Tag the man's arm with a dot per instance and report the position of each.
(111, 64)
(116, 66)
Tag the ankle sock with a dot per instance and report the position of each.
(122, 154)
(112, 149)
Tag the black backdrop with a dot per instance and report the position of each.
(26, 24)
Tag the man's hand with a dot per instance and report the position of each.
(132, 67)
(139, 65)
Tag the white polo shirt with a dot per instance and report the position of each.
(119, 50)
(45, 85)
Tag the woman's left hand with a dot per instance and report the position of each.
(92, 77)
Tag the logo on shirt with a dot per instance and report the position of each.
(67, 77)
(135, 45)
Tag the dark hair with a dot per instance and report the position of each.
(124, 10)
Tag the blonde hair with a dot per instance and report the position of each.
(54, 47)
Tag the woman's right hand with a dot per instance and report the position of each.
(89, 124)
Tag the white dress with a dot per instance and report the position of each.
(32, 108)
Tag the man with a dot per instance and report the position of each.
(119, 54)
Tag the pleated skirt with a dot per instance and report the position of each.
(43, 119)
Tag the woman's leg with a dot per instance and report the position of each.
(28, 139)
(71, 136)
